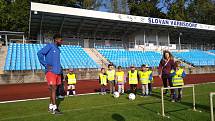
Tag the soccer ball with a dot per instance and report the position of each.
(116, 94)
(131, 96)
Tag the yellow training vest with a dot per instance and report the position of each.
(177, 80)
(103, 79)
(144, 77)
(71, 79)
(132, 77)
(110, 75)
(120, 76)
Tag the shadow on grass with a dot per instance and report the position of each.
(118, 117)
(143, 105)
(198, 106)
(58, 101)
(156, 111)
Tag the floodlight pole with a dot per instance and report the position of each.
(23, 39)
(144, 38)
(179, 40)
(168, 39)
(6, 40)
(157, 39)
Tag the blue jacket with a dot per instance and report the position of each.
(50, 55)
(182, 75)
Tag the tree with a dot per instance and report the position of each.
(4, 16)
(15, 15)
(202, 11)
(145, 8)
(177, 11)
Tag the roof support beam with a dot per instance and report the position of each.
(80, 25)
(41, 25)
(114, 27)
(62, 23)
(97, 27)
(128, 29)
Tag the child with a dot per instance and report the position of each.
(110, 77)
(71, 80)
(150, 81)
(120, 80)
(177, 80)
(144, 76)
(103, 81)
(133, 79)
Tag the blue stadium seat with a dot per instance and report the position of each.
(212, 51)
(24, 57)
(196, 57)
(126, 58)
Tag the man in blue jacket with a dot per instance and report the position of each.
(49, 57)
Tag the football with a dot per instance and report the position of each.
(116, 94)
(131, 96)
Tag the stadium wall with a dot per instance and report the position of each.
(19, 77)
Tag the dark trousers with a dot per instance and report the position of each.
(150, 88)
(133, 88)
(177, 94)
(60, 89)
(165, 79)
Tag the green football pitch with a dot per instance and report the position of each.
(106, 108)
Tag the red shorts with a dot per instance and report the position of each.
(53, 79)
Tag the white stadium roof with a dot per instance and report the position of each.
(45, 17)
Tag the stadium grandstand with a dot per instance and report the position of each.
(93, 39)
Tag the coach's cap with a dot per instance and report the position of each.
(132, 66)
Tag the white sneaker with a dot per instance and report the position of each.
(50, 110)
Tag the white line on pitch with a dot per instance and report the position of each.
(24, 100)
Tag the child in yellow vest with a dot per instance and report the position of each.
(132, 79)
(144, 78)
(103, 81)
(71, 81)
(120, 80)
(177, 75)
(111, 77)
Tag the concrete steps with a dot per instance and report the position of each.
(97, 57)
(3, 51)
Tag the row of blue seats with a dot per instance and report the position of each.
(108, 47)
(197, 57)
(212, 51)
(24, 57)
(126, 58)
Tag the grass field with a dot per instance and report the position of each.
(106, 108)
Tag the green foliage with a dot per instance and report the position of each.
(145, 8)
(15, 15)
(202, 11)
